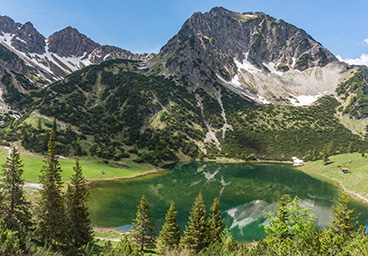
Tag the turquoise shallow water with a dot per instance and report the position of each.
(245, 190)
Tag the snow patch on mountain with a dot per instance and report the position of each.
(238, 88)
(294, 62)
(19, 39)
(246, 65)
(226, 126)
(210, 135)
(300, 88)
(271, 67)
(46, 60)
(305, 100)
(6, 38)
(32, 59)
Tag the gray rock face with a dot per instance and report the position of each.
(106, 52)
(62, 53)
(7, 25)
(69, 42)
(29, 40)
(208, 44)
(25, 38)
(9, 61)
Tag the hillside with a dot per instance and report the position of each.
(114, 112)
(234, 85)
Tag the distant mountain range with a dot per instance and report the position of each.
(62, 53)
(229, 84)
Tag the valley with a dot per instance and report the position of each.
(219, 112)
(246, 191)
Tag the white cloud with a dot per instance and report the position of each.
(363, 60)
(365, 41)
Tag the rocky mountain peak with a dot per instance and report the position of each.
(264, 38)
(28, 39)
(239, 48)
(7, 24)
(24, 38)
(70, 42)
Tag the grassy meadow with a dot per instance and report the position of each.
(356, 181)
(92, 168)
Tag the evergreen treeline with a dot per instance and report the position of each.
(291, 231)
(113, 112)
(59, 223)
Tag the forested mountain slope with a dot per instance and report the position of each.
(227, 85)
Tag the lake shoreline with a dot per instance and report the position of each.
(246, 189)
(338, 183)
(156, 171)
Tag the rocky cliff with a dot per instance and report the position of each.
(253, 54)
(62, 53)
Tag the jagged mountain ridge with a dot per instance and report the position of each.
(215, 57)
(254, 55)
(120, 108)
(62, 53)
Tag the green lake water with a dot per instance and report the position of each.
(245, 190)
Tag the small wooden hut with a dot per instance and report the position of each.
(345, 170)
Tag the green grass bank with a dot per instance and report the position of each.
(355, 182)
(92, 168)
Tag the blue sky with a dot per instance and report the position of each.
(146, 25)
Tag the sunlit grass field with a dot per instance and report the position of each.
(92, 168)
(355, 181)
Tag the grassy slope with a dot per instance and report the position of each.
(91, 168)
(356, 181)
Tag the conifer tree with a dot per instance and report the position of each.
(142, 232)
(278, 223)
(77, 196)
(54, 126)
(345, 221)
(325, 155)
(291, 220)
(196, 232)
(170, 234)
(351, 147)
(331, 148)
(9, 241)
(14, 208)
(216, 223)
(314, 154)
(51, 210)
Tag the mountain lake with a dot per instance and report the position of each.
(246, 192)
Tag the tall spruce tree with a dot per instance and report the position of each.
(77, 196)
(325, 155)
(51, 210)
(278, 222)
(351, 147)
(170, 234)
(196, 232)
(9, 241)
(142, 232)
(290, 221)
(331, 148)
(216, 223)
(14, 208)
(345, 220)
